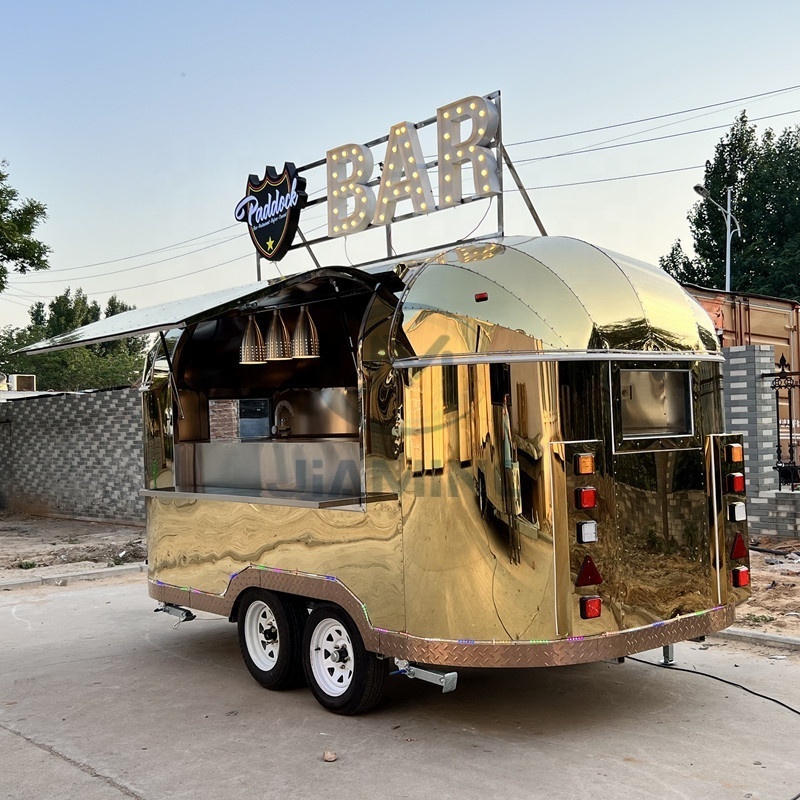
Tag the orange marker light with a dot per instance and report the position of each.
(583, 463)
(734, 453)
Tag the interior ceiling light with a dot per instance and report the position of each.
(305, 341)
(278, 345)
(252, 350)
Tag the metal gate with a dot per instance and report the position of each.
(785, 383)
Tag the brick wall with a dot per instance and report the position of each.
(223, 419)
(73, 454)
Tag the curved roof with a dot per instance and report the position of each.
(563, 293)
(548, 294)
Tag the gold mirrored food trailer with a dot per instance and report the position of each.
(509, 453)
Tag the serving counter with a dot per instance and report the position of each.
(296, 471)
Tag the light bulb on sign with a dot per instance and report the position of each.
(347, 181)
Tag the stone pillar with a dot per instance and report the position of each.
(750, 410)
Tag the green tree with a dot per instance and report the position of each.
(99, 366)
(764, 175)
(19, 251)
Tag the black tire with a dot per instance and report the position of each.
(270, 633)
(343, 676)
(483, 500)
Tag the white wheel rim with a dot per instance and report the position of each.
(261, 635)
(332, 657)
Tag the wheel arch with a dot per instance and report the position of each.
(306, 588)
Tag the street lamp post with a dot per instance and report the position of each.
(703, 192)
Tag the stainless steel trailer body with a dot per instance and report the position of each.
(508, 453)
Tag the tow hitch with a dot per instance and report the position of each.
(183, 614)
(447, 680)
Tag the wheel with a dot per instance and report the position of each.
(342, 675)
(483, 500)
(269, 637)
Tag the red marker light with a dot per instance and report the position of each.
(739, 549)
(585, 497)
(588, 574)
(736, 482)
(591, 607)
(740, 577)
(481, 297)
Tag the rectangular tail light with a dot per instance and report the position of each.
(740, 577)
(585, 497)
(735, 482)
(737, 512)
(591, 607)
(587, 532)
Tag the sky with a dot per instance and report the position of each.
(137, 124)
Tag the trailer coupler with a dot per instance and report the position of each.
(183, 614)
(447, 680)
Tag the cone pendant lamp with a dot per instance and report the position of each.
(278, 346)
(305, 341)
(252, 350)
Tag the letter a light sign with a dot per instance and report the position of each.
(271, 208)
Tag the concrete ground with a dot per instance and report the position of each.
(101, 698)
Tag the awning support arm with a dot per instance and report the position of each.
(172, 380)
(308, 247)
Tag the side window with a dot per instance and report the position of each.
(655, 403)
(500, 382)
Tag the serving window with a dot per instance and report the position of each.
(655, 403)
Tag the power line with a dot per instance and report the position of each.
(596, 149)
(166, 280)
(151, 252)
(658, 116)
(609, 180)
(5, 296)
(149, 283)
(140, 266)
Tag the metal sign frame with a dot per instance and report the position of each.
(501, 156)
